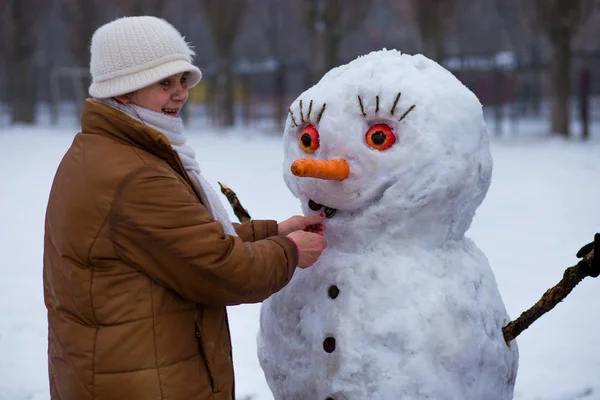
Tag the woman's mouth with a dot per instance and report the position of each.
(173, 112)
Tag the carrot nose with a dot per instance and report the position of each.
(335, 170)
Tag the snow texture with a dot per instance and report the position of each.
(419, 314)
(541, 207)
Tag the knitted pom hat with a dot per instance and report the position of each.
(133, 52)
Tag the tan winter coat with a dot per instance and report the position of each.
(137, 273)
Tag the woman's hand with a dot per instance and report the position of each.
(311, 223)
(310, 247)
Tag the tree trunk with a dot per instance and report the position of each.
(584, 102)
(333, 25)
(312, 20)
(497, 96)
(23, 91)
(81, 18)
(561, 19)
(245, 99)
(560, 85)
(212, 100)
(431, 18)
(331, 49)
(439, 50)
(226, 88)
(21, 64)
(317, 60)
(280, 89)
(328, 23)
(224, 19)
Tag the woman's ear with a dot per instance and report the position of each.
(124, 98)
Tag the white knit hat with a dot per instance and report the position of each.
(133, 52)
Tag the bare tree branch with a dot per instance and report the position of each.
(588, 266)
(240, 212)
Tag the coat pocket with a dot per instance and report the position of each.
(204, 357)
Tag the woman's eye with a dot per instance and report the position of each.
(184, 80)
(309, 139)
(165, 83)
(380, 137)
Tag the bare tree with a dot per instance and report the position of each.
(328, 23)
(81, 17)
(560, 20)
(278, 36)
(524, 40)
(23, 19)
(432, 21)
(513, 21)
(5, 28)
(224, 19)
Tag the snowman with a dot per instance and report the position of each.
(401, 305)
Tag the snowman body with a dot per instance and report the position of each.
(409, 325)
(401, 305)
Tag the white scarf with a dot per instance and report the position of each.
(172, 128)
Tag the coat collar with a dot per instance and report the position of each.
(101, 119)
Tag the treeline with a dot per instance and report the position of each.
(42, 39)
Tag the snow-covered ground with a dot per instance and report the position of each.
(542, 206)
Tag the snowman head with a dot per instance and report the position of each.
(389, 138)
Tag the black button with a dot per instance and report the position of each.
(329, 398)
(333, 291)
(329, 344)
(314, 205)
(329, 212)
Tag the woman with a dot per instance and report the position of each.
(140, 258)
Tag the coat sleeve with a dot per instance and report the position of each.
(159, 227)
(256, 230)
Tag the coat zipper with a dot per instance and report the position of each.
(230, 355)
(204, 359)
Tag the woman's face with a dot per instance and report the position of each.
(166, 96)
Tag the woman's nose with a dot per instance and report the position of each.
(180, 93)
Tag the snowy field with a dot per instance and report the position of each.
(542, 206)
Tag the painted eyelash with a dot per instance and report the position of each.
(364, 114)
(310, 106)
(406, 113)
(362, 108)
(395, 103)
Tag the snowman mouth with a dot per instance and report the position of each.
(329, 211)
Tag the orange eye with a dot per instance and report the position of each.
(309, 139)
(380, 137)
